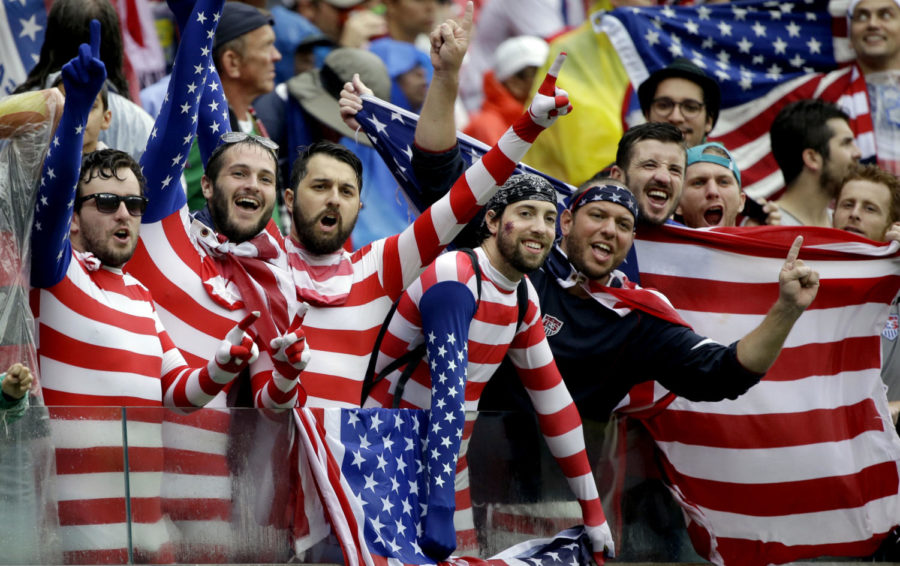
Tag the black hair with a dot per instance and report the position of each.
(68, 26)
(105, 164)
(659, 131)
(331, 149)
(798, 126)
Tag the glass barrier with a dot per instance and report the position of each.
(233, 486)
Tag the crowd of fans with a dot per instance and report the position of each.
(232, 239)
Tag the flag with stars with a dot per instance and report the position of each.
(22, 25)
(763, 55)
(370, 468)
(392, 129)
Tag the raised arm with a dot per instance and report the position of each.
(560, 423)
(798, 285)
(407, 254)
(51, 249)
(170, 140)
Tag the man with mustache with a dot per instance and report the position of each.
(350, 294)
(814, 147)
(468, 318)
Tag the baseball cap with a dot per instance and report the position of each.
(695, 154)
(519, 52)
(237, 19)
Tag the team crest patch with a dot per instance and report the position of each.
(890, 327)
(552, 325)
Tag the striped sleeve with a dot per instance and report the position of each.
(407, 254)
(557, 415)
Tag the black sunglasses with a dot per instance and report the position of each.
(109, 203)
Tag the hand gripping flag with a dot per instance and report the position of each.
(805, 464)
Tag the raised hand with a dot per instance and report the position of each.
(798, 283)
(84, 75)
(450, 41)
(237, 351)
(350, 102)
(550, 102)
(16, 381)
(291, 348)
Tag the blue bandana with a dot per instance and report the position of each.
(609, 193)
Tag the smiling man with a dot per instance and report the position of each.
(650, 160)
(683, 95)
(468, 317)
(712, 188)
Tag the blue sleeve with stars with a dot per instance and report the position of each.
(173, 132)
(447, 309)
(213, 119)
(51, 249)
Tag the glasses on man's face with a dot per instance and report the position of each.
(109, 203)
(664, 106)
(236, 137)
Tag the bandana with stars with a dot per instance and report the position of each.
(609, 193)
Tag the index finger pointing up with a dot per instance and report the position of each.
(95, 39)
(548, 87)
(794, 252)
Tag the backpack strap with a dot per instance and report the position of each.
(522, 300)
(411, 358)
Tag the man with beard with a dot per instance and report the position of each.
(350, 294)
(814, 147)
(464, 309)
(101, 342)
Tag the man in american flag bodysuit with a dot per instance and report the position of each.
(101, 343)
(468, 323)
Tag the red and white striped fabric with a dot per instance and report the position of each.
(101, 345)
(341, 331)
(198, 306)
(492, 333)
(806, 463)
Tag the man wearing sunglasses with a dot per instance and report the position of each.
(101, 341)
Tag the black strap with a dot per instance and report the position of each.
(522, 300)
(411, 358)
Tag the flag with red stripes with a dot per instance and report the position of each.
(763, 55)
(805, 464)
(370, 471)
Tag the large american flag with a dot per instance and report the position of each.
(806, 463)
(369, 468)
(763, 55)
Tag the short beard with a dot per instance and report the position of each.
(104, 252)
(575, 252)
(320, 244)
(219, 209)
(509, 250)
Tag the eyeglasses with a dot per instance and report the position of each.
(108, 203)
(236, 137)
(664, 106)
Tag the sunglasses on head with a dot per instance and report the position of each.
(109, 203)
(235, 137)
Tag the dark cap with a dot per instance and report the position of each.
(237, 19)
(522, 186)
(684, 69)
